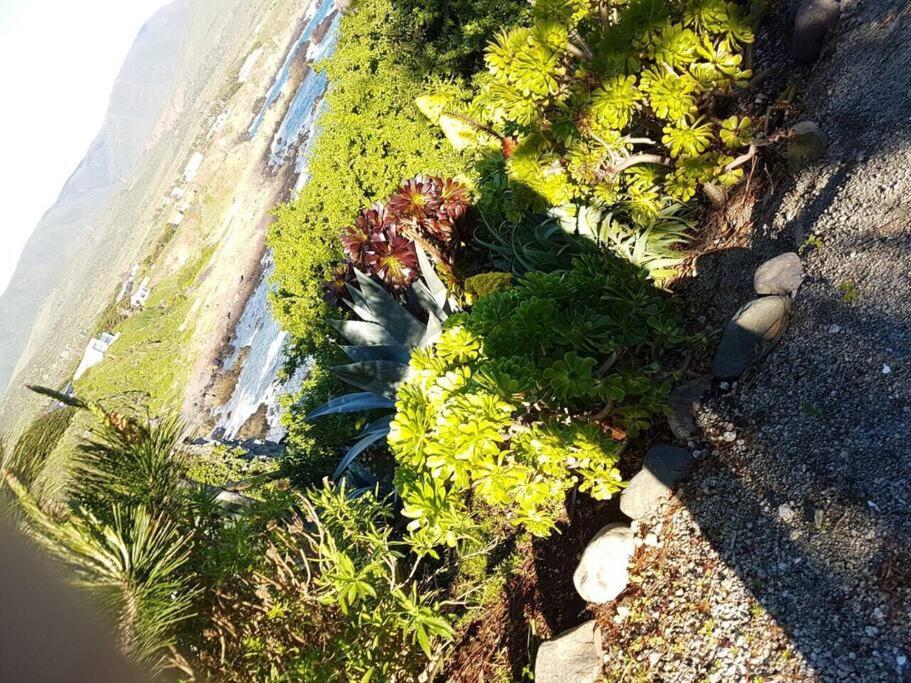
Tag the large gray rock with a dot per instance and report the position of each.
(602, 572)
(754, 330)
(572, 657)
(685, 401)
(806, 143)
(813, 22)
(664, 467)
(780, 275)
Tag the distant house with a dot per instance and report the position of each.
(141, 295)
(94, 353)
(192, 167)
(127, 286)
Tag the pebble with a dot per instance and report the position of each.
(786, 513)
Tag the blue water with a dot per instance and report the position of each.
(260, 381)
(301, 116)
(320, 10)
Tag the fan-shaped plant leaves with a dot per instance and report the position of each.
(390, 313)
(362, 333)
(397, 353)
(377, 376)
(358, 448)
(350, 403)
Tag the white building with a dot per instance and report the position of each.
(94, 353)
(128, 283)
(192, 167)
(141, 295)
(175, 219)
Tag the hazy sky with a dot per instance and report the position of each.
(58, 61)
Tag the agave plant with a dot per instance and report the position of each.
(380, 344)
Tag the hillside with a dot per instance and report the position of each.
(163, 99)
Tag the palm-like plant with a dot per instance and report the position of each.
(126, 538)
(380, 344)
(133, 565)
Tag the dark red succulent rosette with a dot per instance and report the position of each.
(416, 198)
(393, 258)
(356, 238)
(453, 198)
(335, 289)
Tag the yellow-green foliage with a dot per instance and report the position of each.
(371, 138)
(481, 285)
(485, 409)
(615, 103)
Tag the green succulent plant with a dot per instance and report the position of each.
(612, 105)
(481, 415)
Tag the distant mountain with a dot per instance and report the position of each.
(142, 90)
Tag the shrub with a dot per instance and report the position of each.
(329, 601)
(613, 104)
(447, 37)
(486, 411)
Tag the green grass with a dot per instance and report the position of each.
(150, 357)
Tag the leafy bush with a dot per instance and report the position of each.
(484, 411)
(371, 138)
(613, 104)
(329, 601)
(447, 37)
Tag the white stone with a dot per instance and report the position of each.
(786, 512)
(602, 573)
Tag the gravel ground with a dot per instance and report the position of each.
(788, 554)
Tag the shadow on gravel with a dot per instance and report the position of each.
(809, 503)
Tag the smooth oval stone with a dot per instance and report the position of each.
(806, 143)
(780, 275)
(664, 467)
(602, 572)
(753, 331)
(812, 23)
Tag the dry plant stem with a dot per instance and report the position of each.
(605, 17)
(474, 124)
(639, 159)
(604, 412)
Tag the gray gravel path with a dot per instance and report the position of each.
(792, 541)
